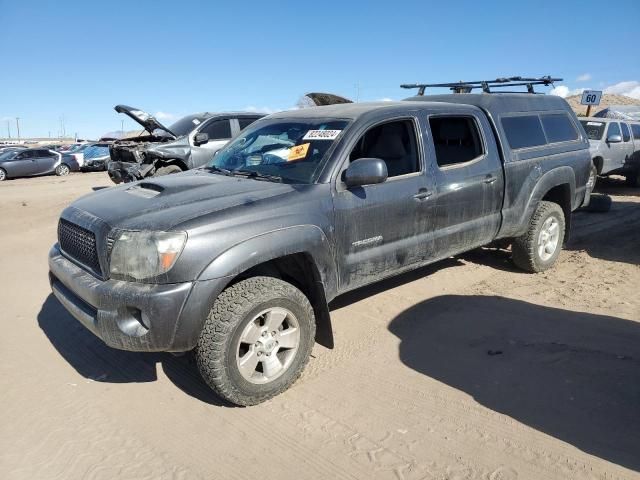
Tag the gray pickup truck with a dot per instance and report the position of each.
(238, 260)
(615, 147)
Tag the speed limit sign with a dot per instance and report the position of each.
(591, 97)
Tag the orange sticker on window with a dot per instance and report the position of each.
(298, 152)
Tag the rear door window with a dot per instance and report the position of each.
(558, 127)
(456, 140)
(523, 131)
(626, 135)
(635, 128)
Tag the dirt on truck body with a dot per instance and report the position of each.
(238, 260)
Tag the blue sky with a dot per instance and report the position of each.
(78, 59)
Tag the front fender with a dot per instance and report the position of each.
(308, 239)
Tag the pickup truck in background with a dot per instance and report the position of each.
(189, 143)
(615, 147)
(238, 260)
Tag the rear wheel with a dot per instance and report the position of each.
(538, 249)
(3, 175)
(256, 340)
(167, 170)
(62, 170)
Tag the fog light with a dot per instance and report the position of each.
(131, 322)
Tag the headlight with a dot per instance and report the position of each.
(141, 255)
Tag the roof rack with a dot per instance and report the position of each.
(486, 85)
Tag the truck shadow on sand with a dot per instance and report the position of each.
(574, 376)
(96, 361)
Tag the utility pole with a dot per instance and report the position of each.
(357, 86)
(9, 128)
(122, 127)
(18, 126)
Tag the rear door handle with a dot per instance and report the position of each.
(422, 194)
(490, 179)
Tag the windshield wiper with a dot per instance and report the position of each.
(257, 175)
(223, 171)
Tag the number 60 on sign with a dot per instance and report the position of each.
(591, 97)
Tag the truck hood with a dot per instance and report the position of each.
(148, 121)
(164, 203)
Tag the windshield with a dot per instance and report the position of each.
(289, 151)
(185, 125)
(594, 129)
(9, 154)
(96, 151)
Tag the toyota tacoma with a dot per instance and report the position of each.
(238, 260)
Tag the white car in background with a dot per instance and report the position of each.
(614, 147)
(77, 151)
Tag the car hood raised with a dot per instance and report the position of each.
(148, 121)
(164, 203)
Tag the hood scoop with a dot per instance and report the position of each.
(145, 190)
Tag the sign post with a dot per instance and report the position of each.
(589, 98)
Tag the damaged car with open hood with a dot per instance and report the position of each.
(188, 143)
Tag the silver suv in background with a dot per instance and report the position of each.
(189, 143)
(615, 147)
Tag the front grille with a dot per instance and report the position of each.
(79, 243)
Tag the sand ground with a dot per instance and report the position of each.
(468, 369)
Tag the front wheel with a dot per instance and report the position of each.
(3, 175)
(256, 340)
(538, 249)
(62, 170)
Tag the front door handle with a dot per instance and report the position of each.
(422, 194)
(490, 179)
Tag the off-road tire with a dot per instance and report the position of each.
(62, 170)
(167, 170)
(524, 249)
(232, 311)
(599, 203)
(3, 174)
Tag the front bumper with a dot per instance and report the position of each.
(134, 316)
(94, 165)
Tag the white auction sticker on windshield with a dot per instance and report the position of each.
(196, 121)
(594, 124)
(321, 135)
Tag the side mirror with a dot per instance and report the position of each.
(200, 139)
(365, 171)
(614, 139)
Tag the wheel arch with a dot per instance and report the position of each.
(162, 162)
(558, 186)
(598, 161)
(299, 255)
